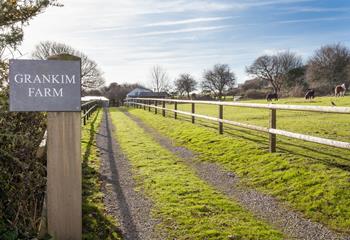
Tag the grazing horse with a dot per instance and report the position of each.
(310, 94)
(339, 90)
(271, 96)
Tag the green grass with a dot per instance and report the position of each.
(311, 178)
(318, 124)
(187, 207)
(96, 223)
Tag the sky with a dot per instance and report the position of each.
(128, 37)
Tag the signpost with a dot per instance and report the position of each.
(54, 86)
(44, 86)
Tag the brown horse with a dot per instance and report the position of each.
(339, 90)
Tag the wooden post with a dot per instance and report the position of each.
(144, 106)
(272, 137)
(64, 188)
(221, 116)
(193, 111)
(149, 105)
(155, 104)
(163, 110)
(175, 108)
(84, 116)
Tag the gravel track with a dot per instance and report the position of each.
(265, 207)
(132, 209)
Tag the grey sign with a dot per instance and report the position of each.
(44, 86)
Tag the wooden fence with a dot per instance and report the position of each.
(153, 103)
(88, 108)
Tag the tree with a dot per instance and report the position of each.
(274, 68)
(185, 84)
(329, 66)
(91, 75)
(160, 79)
(218, 80)
(14, 15)
(116, 93)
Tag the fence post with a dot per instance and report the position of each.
(175, 108)
(64, 192)
(144, 104)
(163, 110)
(155, 106)
(193, 111)
(84, 116)
(272, 137)
(221, 116)
(149, 105)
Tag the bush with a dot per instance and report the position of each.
(255, 94)
(22, 179)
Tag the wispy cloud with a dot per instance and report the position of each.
(312, 20)
(160, 24)
(185, 30)
(187, 21)
(314, 9)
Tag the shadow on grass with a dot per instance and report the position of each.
(126, 216)
(96, 224)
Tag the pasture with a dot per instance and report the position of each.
(313, 179)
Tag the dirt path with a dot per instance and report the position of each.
(265, 207)
(131, 208)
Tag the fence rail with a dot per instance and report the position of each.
(271, 130)
(87, 109)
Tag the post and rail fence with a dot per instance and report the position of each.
(271, 130)
(87, 109)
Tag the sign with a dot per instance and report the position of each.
(44, 86)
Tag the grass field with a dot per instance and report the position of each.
(187, 207)
(311, 178)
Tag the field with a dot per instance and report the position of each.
(312, 178)
(171, 179)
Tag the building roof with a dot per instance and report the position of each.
(137, 92)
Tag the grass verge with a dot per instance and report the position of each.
(187, 207)
(96, 223)
(316, 188)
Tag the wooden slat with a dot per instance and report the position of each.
(307, 108)
(324, 141)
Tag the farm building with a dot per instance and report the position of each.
(145, 93)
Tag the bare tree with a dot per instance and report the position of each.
(185, 84)
(91, 75)
(218, 80)
(274, 68)
(329, 66)
(160, 79)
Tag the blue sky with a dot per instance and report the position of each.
(127, 37)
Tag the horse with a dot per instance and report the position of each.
(339, 90)
(271, 96)
(310, 94)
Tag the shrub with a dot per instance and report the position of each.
(255, 94)
(22, 178)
